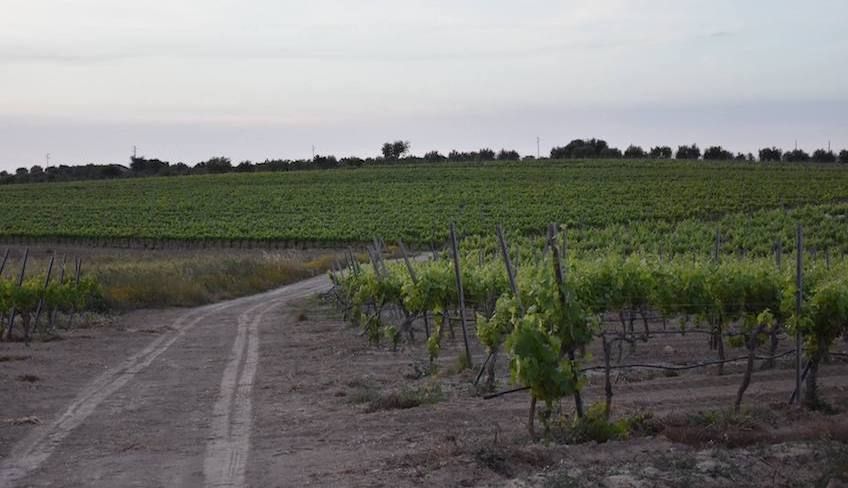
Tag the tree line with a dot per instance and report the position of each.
(399, 151)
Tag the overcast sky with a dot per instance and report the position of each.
(185, 80)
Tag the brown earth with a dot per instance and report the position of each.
(275, 390)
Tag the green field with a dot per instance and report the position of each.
(603, 203)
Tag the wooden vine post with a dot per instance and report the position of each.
(607, 370)
(799, 297)
(414, 277)
(717, 249)
(77, 272)
(458, 271)
(560, 279)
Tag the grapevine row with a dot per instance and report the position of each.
(558, 302)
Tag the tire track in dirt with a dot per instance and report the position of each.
(226, 452)
(34, 449)
(225, 463)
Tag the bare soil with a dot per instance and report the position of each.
(275, 390)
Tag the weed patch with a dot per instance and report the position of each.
(406, 398)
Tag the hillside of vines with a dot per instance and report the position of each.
(625, 205)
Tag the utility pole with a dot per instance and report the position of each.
(538, 152)
(46, 161)
(313, 152)
(135, 150)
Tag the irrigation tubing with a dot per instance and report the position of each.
(652, 366)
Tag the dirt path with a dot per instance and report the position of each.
(176, 412)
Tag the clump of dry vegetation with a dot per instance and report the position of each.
(197, 280)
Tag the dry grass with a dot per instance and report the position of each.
(191, 281)
(132, 279)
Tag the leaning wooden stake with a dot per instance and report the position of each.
(20, 283)
(458, 271)
(414, 277)
(3, 263)
(34, 325)
(510, 271)
(375, 261)
(489, 363)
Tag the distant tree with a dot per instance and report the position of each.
(580, 149)
(462, 156)
(218, 164)
(274, 165)
(796, 155)
(610, 153)
(180, 169)
(558, 152)
(634, 152)
(301, 164)
(529, 157)
(660, 152)
(598, 146)
(147, 167)
(352, 162)
(508, 155)
(325, 162)
(392, 151)
(843, 156)
(819, 156)
(245, 167)
(583, 152)
(111, 171)
(56, 173)
(740, 157)
(768, 154)
(22, 172)
(485, 154)
(688, 152)
(717, 153)
(434, 157)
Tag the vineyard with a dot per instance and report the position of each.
(610, 205)
(697, 310)
(542, 304)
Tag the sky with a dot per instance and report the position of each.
(186, 80)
